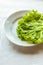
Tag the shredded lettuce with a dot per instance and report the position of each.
(30, 27)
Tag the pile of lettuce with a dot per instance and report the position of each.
(30, 27)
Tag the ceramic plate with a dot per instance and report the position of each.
(10, 28)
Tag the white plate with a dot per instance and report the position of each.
(10, 28)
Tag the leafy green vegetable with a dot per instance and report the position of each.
(30, 27)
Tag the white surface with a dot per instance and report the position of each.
(11, 54)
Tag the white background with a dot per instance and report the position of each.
(11, 54)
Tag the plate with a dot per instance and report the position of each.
(10, 28)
